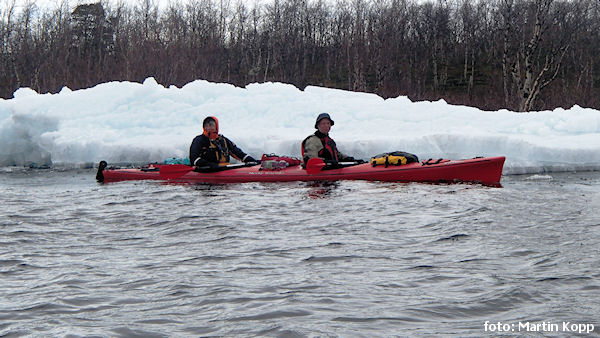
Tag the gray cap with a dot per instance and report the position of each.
(323, 116)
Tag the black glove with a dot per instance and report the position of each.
(332, 164)
(249, 159)
(207, 166)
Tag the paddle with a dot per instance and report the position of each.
(316, 164)
(174, 171)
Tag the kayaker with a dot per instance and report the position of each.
(212, 149)
(321, 145)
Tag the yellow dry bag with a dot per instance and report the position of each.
(393, 158)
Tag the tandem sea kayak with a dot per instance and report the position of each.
(484, 170)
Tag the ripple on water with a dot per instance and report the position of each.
(297, 259)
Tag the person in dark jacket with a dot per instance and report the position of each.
(321, 145)
(212, 149)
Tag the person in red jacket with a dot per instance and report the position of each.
(214, 150)
(321, 145)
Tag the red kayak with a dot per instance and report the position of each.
(485, 170)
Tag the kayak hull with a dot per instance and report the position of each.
(485, 170)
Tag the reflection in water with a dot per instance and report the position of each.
(209, 186)
(315, 189)
(319, 190)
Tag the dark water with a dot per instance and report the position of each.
(351, 259)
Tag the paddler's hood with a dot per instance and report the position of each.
(214, 135)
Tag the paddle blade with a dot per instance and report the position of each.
(314, 165)
(174, 171)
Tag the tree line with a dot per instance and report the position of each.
(521, 55)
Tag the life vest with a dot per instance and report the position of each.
(329, 150)
(220, 149)
(217, 144)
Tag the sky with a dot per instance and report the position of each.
(161, 4)
(127, 122)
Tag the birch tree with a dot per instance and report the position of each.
(535, 68)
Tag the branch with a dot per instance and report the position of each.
(547, 82)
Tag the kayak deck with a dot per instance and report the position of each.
(484, 170)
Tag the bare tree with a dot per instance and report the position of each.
(516, 54)
(533, 68)
(7, 64)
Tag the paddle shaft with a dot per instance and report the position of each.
(315, 165)
(175, 171)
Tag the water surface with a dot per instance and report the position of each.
(367, 259)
